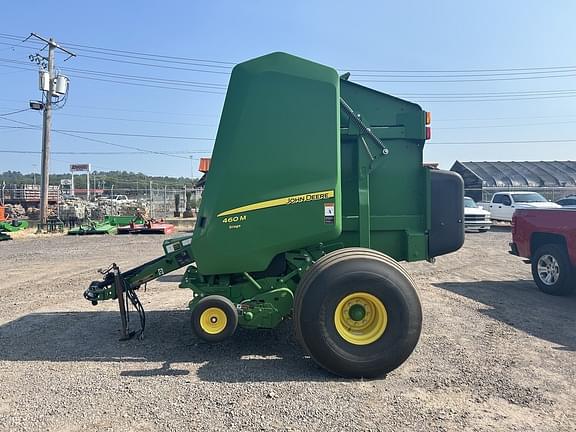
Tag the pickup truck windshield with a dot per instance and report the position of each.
(531, 197)
(469, 203)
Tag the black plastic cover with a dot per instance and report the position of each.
(447, 231)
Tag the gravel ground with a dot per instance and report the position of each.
(495, 353)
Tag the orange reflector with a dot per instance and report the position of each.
(428, 117)
(428, 133)
(204, 165)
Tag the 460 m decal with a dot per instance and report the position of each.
(289, 200)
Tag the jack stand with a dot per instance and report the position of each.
(126, 334)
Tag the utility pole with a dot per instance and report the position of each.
(165, 208)
(88, 185)
(46, 127)
(151, 200)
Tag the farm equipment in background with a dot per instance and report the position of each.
(147, 226)
(316, 189)
(137, 224)
(91, 227)
(14, 225)
(109, 225)
(11, 225)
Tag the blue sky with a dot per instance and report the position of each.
(411, 36)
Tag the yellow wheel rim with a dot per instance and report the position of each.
(360, 318)
(213, 320)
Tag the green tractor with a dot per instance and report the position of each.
(316, 190)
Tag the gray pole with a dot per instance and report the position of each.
(151, 211)
(165, 208)
(185, 197)
(47, 123)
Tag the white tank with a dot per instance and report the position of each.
(44, 80)
(61, 86)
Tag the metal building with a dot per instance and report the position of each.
(553, 179)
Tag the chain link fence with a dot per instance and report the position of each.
(23, 201)
(550, 193)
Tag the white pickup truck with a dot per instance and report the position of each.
(504, 204)
(118, 199)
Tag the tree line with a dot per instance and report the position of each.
(103, 179)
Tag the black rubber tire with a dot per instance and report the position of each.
(564, 285)
(218, 302)
(483, 230)
(337, 275)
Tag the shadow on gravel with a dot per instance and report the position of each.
(521, 305)
(249, 356)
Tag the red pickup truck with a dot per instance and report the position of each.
(547, 237)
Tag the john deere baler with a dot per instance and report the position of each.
(316, 190)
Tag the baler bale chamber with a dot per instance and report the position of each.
(316, 190)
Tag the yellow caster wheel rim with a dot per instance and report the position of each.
(213, 320)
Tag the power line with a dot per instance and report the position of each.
(147, 85)
(228, 64)
(431, 143)
(504, 126)
(102, 141)
(467, 75)
(100, 153)
(110, 50)
(501, 118)
(14, 112)
(131, 83)
(496, 99)
(465, 80)
(126, 76)
(438, 97)
(183, 138)
(92, 108)
(457, 70)
(155, 65)
(207, 87)
(150, 79)
(144, 121)
(503, 93)
(139, 120)
(504, 142)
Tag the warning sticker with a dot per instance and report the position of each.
(329, 213)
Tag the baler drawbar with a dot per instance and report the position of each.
(316, 190)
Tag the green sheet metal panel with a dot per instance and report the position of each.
(399, 185)
(274, 179)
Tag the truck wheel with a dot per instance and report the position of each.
(357, 313)
(551, 270)
(214, 318)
